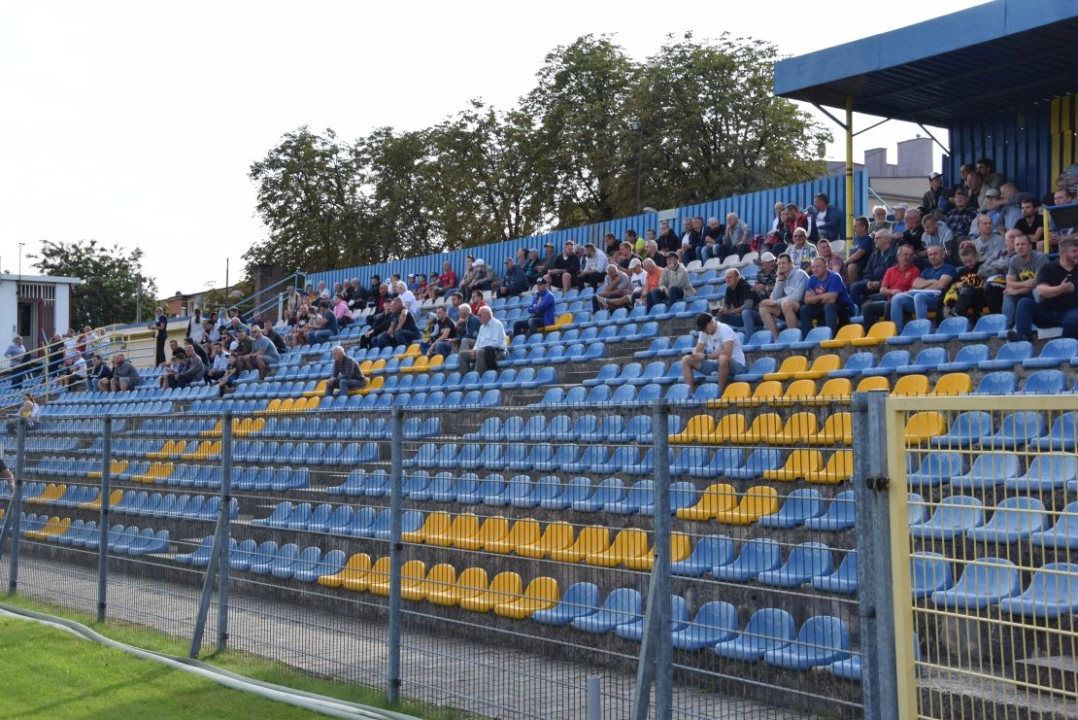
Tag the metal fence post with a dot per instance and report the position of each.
(224, 531)
(595, 698)
(396, 509)
(656, 651)
(103, 521)
(15, 506)
(218, 555)
(873, 532)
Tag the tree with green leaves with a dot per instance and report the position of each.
(110, 280)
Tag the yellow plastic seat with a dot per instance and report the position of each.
(287, 405)
(629, 543)
(47, 495)
(462, 527)
(680, 549)
(434, 529)
(471, 535)
(820, 367)
(717, 498)
(734, 394)
(413, 351)
(790, 367)
(470, 583)
(156, 471)
(953, 384)
(378, 365)
(115, 468)
(356, 568)
(205, 449)
(162, 452)
(877, 334)
(366, 366)
(242, 427)
(837, 430)
(257, 425)
(272, 406)
(524, 532)
(839, 468)
(412, 574)
(697, 430)
(503, 588)
(373, 383)
(435, 361)
(766, 392)
(440, 576)
(591, 540)
(313, 403)
(797, 466)
(911, 386)
(215, 431)
(728, 428)
(799, 429)
(361, 583)
(419, 366)
(763, 427)
(114, 499)
(923, 426)
(845, 335)
(559, 322)
(800, 391)
(541, 594)
(834, 390)
(52, 526)
(557, 536)
(319, 389)
(873, 383)
(759, 501)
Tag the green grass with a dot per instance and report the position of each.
(50, 674)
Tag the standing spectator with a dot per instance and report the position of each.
(927, 290)
(194, 326)
(718, 350)
(489, 345)
(540, 311)
(785, 300)
(346, 375)
(740, 296)
(826, 300)
(160, 328)
(16, 355)
(124, 375)
(1022, 274)
(674, 285)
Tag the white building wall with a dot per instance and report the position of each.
(8, 309)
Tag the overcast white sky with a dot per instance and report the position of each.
(135, 122)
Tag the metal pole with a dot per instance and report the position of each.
(15, 506)
(224, 531)
(103, 520)
(595, 698)
(656, 650)
(873, 532)
(639, 164)
(849, 166)
(220, 547)
(396, 509)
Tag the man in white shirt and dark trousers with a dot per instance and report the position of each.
(718, 350)
(489, 346)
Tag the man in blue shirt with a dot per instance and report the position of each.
(927, 290)
(540, 312)
(828, 218)
(861, 246)
(826, 299)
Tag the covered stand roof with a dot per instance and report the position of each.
(973, 63)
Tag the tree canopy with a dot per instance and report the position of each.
(109, 291)
(697, 120)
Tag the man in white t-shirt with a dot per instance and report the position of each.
(718, 349)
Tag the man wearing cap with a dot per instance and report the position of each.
(766, 276)
(544, 264)
(1057, 297)
(826, 300)
(593, 269)
(674, 284)
(861, 246)
(931, 201)
(960, 217)
(513, 283)
(616, 292)
(718, 350)
(489, 345)
(786, 298)
(346, 375)
(530, 273)
(479, 277)
(566, 268)
(637, 279)
(540, 311)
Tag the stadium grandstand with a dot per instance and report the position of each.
(771, 456)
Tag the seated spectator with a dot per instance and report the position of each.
(191, 370)
(489, 345)
(240, 348)
(714, 244)
(986, 168)
(617, 290)
(779, 220)
(593, 267)
(879, 220)
(446, 282)
(1022, 273)
(674, 284)
(1031, 224)
(737, 236)
(938, 233)
(263, 355)
(897, 278)
(718, 350)
(667, 241)
(74, 374)
(545, 263)
(513, 283)
(31, 411)
(913, 235)
(625, 255)
(1010, 210)
(341, 311)
(740, 296)
(692, 239)
(346, 375)
(965, 297)
(540, 311)
(477, 302)
(100, 375)
(898, 225)
(639, 243)
(218, 364)
(653, 252)
(442, 333)
(927, 291)
(483, 276)
(467, 329)
(987, 242)
(881, 258)
(801, 251)
(271, 332)
(531, 267)
(408, 298)
(637, 279)
(324, 326)
(1056, 234)
(826, 300)
(566, 267)
(1055, 303)
(861, 246)
(961, 216)
(653, 275)
(835, 263)
(785, 300)
(610, 244)
(765, 278)
(402, 328)
(355, 295)
(452, 308)
(415, 283)
(978, 198)
(934, 197)
(292, 300)
(228, 380)
(827, 218)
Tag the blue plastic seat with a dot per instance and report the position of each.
(609, 491)
(968, 357)
(785, 338)
(1009, 355)
(966, 430)
(768, 629)
(936, 468)
(912, 331)
(1063, 535)
(1016, 430)
(679, 618)
(1045, 382)
(952, 518)
(855, 365)
(987, 327)
(1014, 519)
(1062, 436)
(822, 640)
(715, 622)
(806, 561)
(948, 330)
(800, 505)
(580, 600)
(1000, 382)
(1046, 472)
(840, 515)
(926, 361)
(754, 343)
(642, 493)
(760, 367)
(889, 364)
(929, 573)
(756, 556)
(987, 471)
(812, 340)
(658, 344)
(620, 607)
(1052, 593)
(843, 580)
(757, 463)
(685, 344)
(983, 582)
